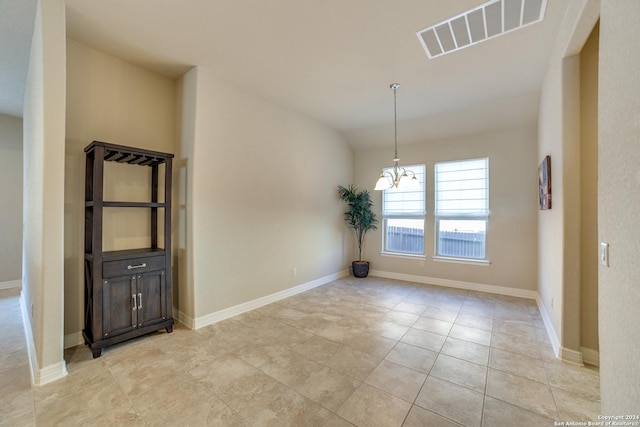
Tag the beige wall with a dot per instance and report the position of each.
(114, 101)
(619, 204)
(559, 240)
(589, 193)
(11, 196)
(511, 238)
(262, 194)
(44, 116)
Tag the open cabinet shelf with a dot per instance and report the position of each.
(127, 293)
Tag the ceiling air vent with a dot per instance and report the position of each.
(486, 21)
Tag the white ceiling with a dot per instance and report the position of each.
(332, 60)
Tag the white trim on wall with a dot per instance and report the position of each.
(571, 356)
(492, 289)
(74, 339)
(548, 324)
(47, 374)
(217, 316)
(11, 284)
(590, 356)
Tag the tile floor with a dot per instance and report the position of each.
(354, 352)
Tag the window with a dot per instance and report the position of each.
(462, 208)
(403, 213)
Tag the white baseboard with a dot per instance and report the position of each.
(11, 284)
(548, 325)
(73, 340)
(217, 316)
(183, 318)
(571, 356)
(28, 334)
(47, 374)
(501, 290)
(51, 373)
(590, 356)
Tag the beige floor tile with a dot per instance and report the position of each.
(419, 417)
(424, 339)
(451, 401)
(518, 364)
(407, 307)
(353, 362)
(404, 319)
(318, 348)
(501, 414)
(327, 387)
(580, 381)
(372, 344)
(440, 313)
(369, 406)
(433, 325)
(515, 344)
(52, 401)
(257, 354)
(460, 372)
(466, 350)
(15, 377)
(468, 333)
(338, 333)
(121, 415)
(479, 322)
(282, 313)
(217, 375)
(522, 392)
(145, 375)
(261, 400)
(515, 327)
(388, 329)
(572, 407)
(478, 309)
(209, 412)
(397, 380)
(321, 384)
(412, 357)
(182, 392)
(329, 356)
(337, 421)
(17, 407)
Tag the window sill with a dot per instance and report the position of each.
(481, 262)
(400, 255)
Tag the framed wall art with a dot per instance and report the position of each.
(544, 184)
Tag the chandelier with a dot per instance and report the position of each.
(396, 177)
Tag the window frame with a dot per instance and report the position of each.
(481, 215)
(420, 214)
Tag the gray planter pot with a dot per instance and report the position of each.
(360, 268)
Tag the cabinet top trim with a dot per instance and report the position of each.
(130, 155)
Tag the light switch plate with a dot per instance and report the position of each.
(604, 254)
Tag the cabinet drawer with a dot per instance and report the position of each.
(132, 266)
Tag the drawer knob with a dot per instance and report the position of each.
(131, 267)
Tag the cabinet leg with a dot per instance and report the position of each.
(96, 353)
(169, 329)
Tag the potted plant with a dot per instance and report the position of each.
(361, 218)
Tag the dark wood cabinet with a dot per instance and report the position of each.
(127, 293)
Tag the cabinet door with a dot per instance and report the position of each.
(119, 310)
(152, 307)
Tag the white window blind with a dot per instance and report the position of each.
(405, 202)
(462, 188)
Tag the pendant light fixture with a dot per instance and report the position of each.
(398, 177)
